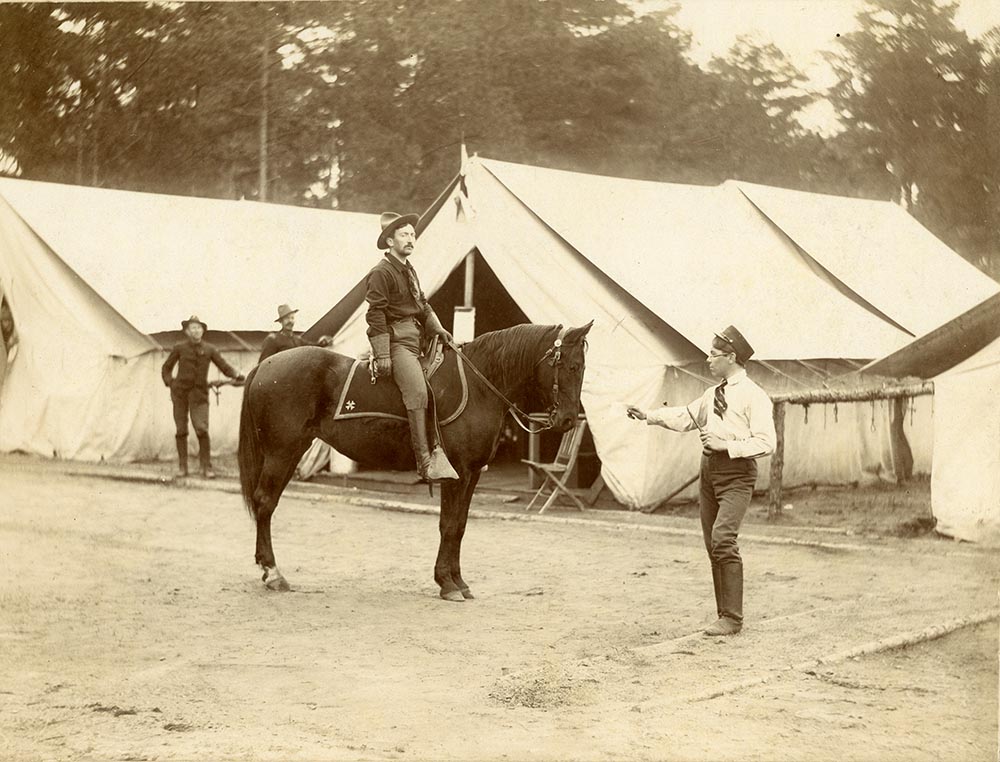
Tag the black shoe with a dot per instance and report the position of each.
(724, 626)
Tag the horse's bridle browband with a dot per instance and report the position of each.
(553, 354)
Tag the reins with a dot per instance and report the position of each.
(555, 352)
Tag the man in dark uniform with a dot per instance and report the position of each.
(189, 391)
(286, 338)
(736, 425)
(398, 318)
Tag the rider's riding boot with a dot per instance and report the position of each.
(205, 456)
(182, 455)
(431, 466)
(418, 440)
(731, 599)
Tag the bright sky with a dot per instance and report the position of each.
(804, 29)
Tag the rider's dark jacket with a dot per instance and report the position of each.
(279, 341)
(391, 295)
(192, 365)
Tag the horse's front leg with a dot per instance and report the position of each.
(464, 499)
(448, 527)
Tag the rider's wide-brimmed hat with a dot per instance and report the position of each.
(740, 346)
(284, 311)
(391, 222)
(194, 319)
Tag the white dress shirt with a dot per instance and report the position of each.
(747, 424)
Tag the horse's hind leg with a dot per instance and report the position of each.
(275, 475)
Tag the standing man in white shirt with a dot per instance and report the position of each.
(736, 424)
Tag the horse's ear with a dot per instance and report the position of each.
(573, 335)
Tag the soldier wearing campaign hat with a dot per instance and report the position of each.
(734, 419)
(286, 338)
(189, 391)
(399, 319)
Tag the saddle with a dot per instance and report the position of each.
(367, 395)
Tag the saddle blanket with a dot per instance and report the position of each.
(360, 398)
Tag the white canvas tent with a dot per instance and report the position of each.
(98, 281)
(963, 359)
(661, 267)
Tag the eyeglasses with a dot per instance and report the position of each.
(712, 355)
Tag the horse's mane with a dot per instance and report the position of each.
(498, 354)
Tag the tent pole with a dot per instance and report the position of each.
(777, 463)
(470, 277)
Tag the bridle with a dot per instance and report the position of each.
(554, 357)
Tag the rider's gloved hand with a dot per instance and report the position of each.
(380, 350)
(240, 380)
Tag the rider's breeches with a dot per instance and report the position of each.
(404, 349)
(193, 402)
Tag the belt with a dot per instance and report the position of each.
(723, 455)
(410, 319)
(718, 453)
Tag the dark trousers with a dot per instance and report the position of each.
(724, 496)
(191, 402)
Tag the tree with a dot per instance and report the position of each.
(184, 98)
(910, 93)
(987, 243)
(757, 94)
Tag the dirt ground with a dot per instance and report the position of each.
(134, 626)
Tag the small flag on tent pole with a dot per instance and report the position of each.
(462, 203)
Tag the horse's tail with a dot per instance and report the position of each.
(249, 452)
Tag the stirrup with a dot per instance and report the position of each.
(439, 468)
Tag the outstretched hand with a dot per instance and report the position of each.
(635, 413)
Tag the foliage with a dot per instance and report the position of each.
(911, 96)
(362, 104)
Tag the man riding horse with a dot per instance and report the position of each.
(399, 318)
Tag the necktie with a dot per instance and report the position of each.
(411, 281)
(720, 399)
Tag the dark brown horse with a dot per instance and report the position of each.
(298, 395)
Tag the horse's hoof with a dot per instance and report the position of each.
(467, 594)
(273, 580)
(453, 595)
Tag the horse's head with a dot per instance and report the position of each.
(559, 374)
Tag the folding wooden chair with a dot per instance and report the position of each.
(554, 474)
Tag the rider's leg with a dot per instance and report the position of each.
(409, 377)
(432, 464)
